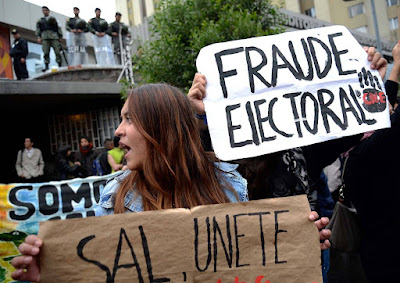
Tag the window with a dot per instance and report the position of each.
(98, 124)
(394, 23)
(34, 60)
(363, 29)
(356, 10)
(310, 12)
(391, 2)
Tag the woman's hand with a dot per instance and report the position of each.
(197, 92)
(324, 234)
(377, 61)
(27, 264)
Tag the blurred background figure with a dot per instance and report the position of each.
(97, 25)
(30, 164)
(100, 164)
(116, 156)
(76, 39)
(120, 34)
(86, 155)
(49, 34)
(76, 24)
(66, 167)
(19, 51)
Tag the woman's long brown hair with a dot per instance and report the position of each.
(177, 172)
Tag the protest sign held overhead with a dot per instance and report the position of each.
(276, 92)
(259, 241)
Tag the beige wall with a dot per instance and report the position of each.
(323, 10)
(122, 7)
(291, 5)
(305, 5)
(337, 12)
(134, 10)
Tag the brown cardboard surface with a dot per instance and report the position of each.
(255, 241)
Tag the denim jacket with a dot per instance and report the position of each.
(133, 202)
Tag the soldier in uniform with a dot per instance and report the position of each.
(19, 51)
(49, 34)
(76, 24)
(114, 29)
(97, 25)
(76, 39)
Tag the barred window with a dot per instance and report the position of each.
(97, 124)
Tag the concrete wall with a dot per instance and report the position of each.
(22, 14)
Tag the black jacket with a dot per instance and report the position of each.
(19, 49)
(372, 186)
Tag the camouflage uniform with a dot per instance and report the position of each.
(94, 25)
(70, 24)
(115, 27)
(50, 35)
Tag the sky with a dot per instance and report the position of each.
(86, 7)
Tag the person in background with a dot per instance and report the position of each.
(66, 167)
(29, 165)
(105, 166)
(114, 30)
(49, 33)
(116, 156)
(19, 51)
(86, 155)
(372, 187)
(97, 25)
(76, 24)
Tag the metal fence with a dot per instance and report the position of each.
(140, 34)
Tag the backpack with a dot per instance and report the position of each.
(97, 170)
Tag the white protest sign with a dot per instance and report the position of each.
(272, 93)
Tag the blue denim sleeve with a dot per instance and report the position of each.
(237, 182)
(105, 205)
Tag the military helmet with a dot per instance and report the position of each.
(52, 21)
(124, 30)
(80, 24)
(103, 25)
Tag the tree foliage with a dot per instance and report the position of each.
(180, 28)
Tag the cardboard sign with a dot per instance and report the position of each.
(277, 92)
(259, 241)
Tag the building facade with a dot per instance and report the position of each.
(356, 15)
(23, 16)
(135, 12)
(54, 108)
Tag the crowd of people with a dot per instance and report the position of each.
(81, 164)
(170, 163)
(50, 35)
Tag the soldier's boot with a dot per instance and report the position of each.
(59, 64)
(46, 67)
